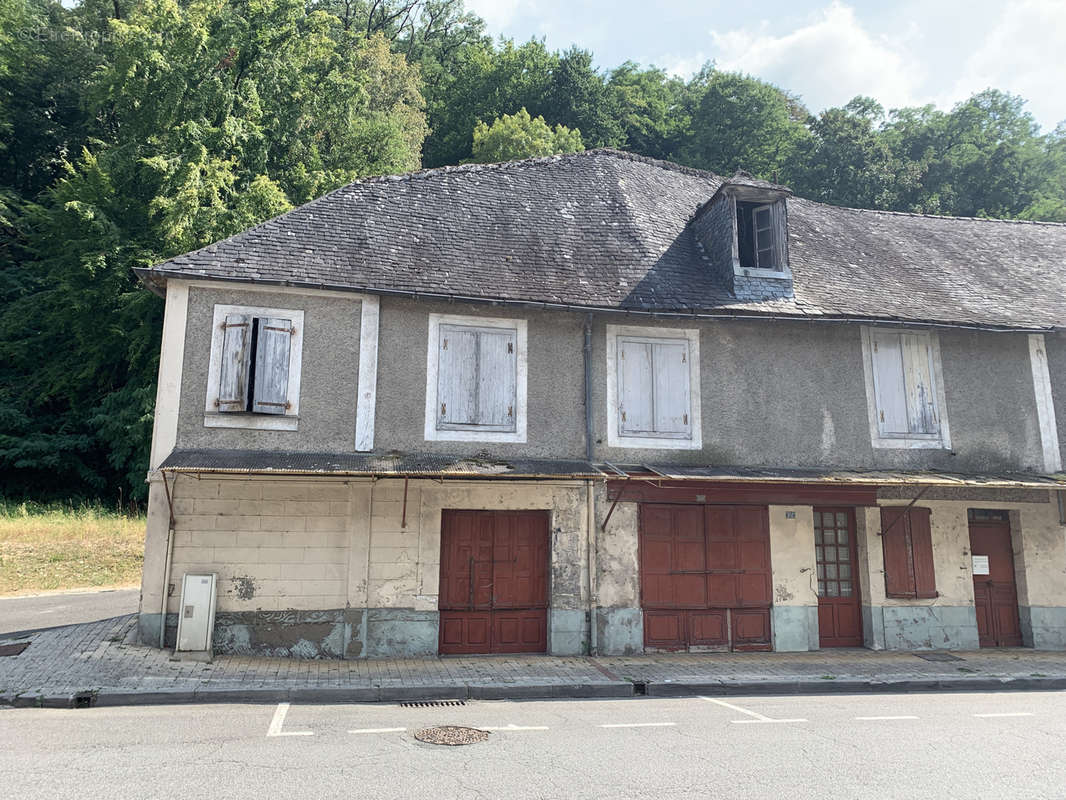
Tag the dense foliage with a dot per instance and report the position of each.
(134, 130)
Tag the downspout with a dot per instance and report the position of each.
(590, 510)
(166, 561)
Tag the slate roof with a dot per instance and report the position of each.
(605, 229)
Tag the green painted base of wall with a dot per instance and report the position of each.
(1043, 627)
(619, 631)
(920, 627)
(795, 628)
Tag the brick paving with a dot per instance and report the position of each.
(103, 658)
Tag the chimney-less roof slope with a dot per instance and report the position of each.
(606, 229)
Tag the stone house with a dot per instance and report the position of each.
(602, 403)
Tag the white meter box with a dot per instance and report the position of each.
(196, 615)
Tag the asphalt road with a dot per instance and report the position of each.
(64, 608)
(870, 746)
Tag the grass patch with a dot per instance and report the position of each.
(44, 547)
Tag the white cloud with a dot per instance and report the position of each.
(826, 62)
(499, 14)
(1023, 54)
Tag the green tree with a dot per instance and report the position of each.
(650, 109)
(515, 136)
(744, 123)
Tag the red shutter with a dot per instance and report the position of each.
(908, 548)
(922, 553)
(895, 541)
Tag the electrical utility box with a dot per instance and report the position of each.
(196, 616)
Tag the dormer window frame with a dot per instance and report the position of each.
(778, 230)
(770, 233)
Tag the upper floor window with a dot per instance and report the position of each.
(653, 387)
(254, 368)
(904, 391)
(476, 379)
(757, 236)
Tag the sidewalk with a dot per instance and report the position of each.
(99, 663)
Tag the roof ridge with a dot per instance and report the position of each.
(932, 216)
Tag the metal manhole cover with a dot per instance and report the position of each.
(13, 649)
(451, 735)
(939, 657)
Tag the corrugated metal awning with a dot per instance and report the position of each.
(268, 462)
(1025, 480)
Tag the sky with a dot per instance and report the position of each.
(904, 53)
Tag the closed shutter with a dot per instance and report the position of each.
(457, 376)
(273, 341)
(918, 378)
(922, 552)
(635, 387)
(497, 361)
(236, 355)
(908, 550)
(889, 384)
(672, 413)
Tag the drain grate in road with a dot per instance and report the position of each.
(13, 649)
(432, 703)
(451, 735)
(939, 657)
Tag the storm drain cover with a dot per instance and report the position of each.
(451, 735)
(938, 657)
(13, 649)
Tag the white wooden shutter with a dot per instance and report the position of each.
(271, 392)
(672, 397)
(635, 387)
(236, 355)
(889, 383)
(456, 376)
(779, 212)
(497, 361)
(918, 378)
(765, 251)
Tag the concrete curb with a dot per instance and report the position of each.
(45, 698)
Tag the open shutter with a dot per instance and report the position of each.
(765, 250)
(779, 213)
(273, 341)
(635, 387)
(497, 361)
(456, 376)
(922, 552)
(236, 355)
(672, 397)
(889, 384)
(918, 378)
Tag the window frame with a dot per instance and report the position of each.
(768, 208)
(615, 437)
(250, 420)
(472, 433)
(778, 209)
(905, 441)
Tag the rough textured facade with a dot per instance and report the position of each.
(328, 525)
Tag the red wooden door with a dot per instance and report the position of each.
(705, 577)
(494, 582)
(839, 613)
(995, 593)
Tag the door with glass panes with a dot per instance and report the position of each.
(839, 613)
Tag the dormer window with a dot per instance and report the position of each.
(757, 237)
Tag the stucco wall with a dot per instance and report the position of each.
(327, 567)
(789, 394)
(555, 394)
(1055, 344)
(329, 374)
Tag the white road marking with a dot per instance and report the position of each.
(1007, 714)
(514, 727)
(378, 730)
(878, 718)
(279, 720)
(639, 725)
(757, 717)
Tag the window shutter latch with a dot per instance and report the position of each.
(443, 409)
(510, 347)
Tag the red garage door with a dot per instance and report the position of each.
(705, 576)
(494, 582)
